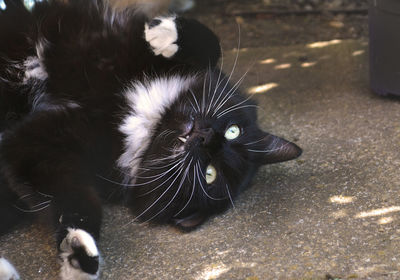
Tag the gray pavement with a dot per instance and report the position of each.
(335, 212)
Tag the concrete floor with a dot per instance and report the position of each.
(333, 213)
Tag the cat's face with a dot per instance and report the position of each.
(204, 150)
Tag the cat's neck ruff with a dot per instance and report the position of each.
(147, 101)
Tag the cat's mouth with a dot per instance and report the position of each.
(197, 136)
(187, 131)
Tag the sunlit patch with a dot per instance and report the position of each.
(211, 174)
(340, 199)
(378, 212)
(336, 24)
(232, 132)
(268, 61)
(359, 52)
(262, 88)
(283, 66)
(212, 272)
(385, 220)
(2, 5)
(323, 44)
(241, 50)
(308, 64)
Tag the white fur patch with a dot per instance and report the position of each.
(68, 272)
(34, 69)
(148, 102)
(162, 36)
(7, 271)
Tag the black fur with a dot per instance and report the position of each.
(60, 132)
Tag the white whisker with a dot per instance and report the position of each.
(176, 193)
(231, 92)
(238, 108)
(230, 197)
(217, 85)
(158, 199)
(234, 105)
(233, 68)
(191, 195)
(46, 204)
(195, 100)
(270, 150)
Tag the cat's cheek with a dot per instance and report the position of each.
(79, 256)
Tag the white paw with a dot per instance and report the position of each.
(161, 34)
(79, 256)
(7, 271)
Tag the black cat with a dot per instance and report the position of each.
(96, 104)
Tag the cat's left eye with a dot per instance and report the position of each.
(232, 132)
(211, 174)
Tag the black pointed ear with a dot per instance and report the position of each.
(190, 222)
(272, 149)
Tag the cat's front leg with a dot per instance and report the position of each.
(56, 163)
(183, 40)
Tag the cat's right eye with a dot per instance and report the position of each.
(211, 174)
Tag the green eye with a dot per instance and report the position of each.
(211, 174)
(232, 132)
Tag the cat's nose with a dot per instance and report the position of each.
(205, 135)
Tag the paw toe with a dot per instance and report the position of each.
(154, 22)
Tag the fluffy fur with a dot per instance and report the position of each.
(97, 103)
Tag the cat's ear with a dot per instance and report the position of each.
(190, 222)
(272, 149)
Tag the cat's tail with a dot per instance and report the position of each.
(7, 270)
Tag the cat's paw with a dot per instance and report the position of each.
(161, 33)
(79, 256)
(7, 271)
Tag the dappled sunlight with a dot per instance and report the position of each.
(240, 50)
(340, 199)
(216, 270)
(323, 44)
(357, 53)
(378, 212)
(308, 64)
(283, 66)
(268, 61)
(385, 220)
(262, 88)
(212, 272)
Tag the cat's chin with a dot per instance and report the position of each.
(189, 223)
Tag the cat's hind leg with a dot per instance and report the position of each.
(183, 41)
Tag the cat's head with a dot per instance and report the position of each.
(191, 145)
